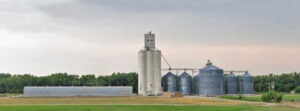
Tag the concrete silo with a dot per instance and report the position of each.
(185, 83)
(149, 68)
(232, 84)
(247, 84)
(150, 72)
(211, 80)
(157, 73)
(142, 73)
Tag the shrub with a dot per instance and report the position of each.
(240, 97)
(297, 89)
(272, 97)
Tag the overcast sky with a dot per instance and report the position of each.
(103, 36)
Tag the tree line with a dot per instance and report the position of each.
(15, 83)
(283, 83)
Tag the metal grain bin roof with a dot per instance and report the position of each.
(247, 75)
(231, 75)
(210, 66)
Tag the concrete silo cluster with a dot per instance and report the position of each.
(149, 61)
(210, 80)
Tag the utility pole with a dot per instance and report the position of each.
(272, 86)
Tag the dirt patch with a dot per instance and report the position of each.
(292, 104)
(119, 101)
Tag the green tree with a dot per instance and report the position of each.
(297, 89)
(88, 80)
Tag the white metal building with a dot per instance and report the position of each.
(72, 91)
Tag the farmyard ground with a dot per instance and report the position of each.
(136, 104)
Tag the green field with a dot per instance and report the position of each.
(291, 97)
(6, 95)
(257, 98)
(137, 104)
(142, 108)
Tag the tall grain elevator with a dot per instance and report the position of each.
(149, 68)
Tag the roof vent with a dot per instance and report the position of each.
(208, 63)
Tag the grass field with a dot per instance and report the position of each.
(118, 101)
(136, 104)
(291, 97)
(142, 108)
(286, 97)
(6, 95)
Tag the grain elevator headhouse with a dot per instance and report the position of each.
(149, 68)
(150, 41)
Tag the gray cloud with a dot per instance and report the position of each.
(230, 18)
(104, 35)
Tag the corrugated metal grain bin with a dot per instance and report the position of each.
(185, 83)
(169, 82)
(196, 84)
(247, 84)
(211, 81)
(69, 91)
(232, 84)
